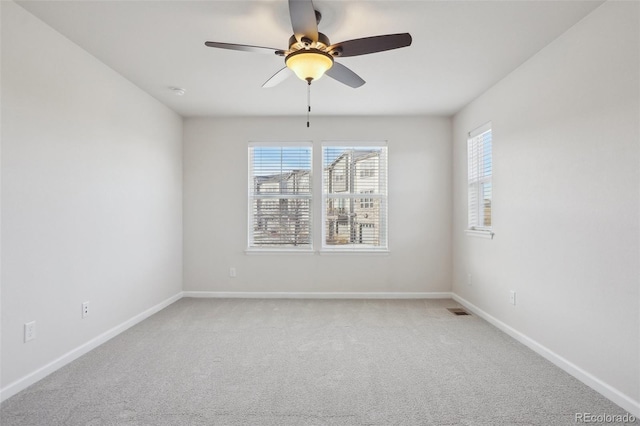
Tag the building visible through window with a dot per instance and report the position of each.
(280, 196)
(355, 197)
(480, 171)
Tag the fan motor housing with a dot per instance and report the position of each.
(306, 43)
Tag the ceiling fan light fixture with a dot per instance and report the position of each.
(309, 64)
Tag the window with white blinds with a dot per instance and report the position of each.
(280, 196)
(480, 165)
(354, 197)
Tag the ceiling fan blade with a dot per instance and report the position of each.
(303, 19)
(245, 48)
(278, 77)
(363, 46)
(344, 75)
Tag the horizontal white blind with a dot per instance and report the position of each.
(480, 170)
(280, 196)
(354, 197)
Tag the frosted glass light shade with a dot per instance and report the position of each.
(309, 64)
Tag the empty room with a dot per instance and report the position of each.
(320, 213)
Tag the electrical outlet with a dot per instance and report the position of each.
(512, 297)
(469, 280)
(85, 310)
(29, 331)
(232, 272)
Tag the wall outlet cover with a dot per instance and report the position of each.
(29, 331)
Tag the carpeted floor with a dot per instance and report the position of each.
(307, 362)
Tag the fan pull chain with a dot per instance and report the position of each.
(308, 101)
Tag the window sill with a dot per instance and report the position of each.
(331, 252)
(257, 251)
(338, 252)
(479, 233)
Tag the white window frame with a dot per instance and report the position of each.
(252, 247)
(381, 198)
(476, 178)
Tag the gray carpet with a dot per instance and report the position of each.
(307, 362)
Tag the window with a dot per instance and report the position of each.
(355, 197)
(364, 173)
(480, 164)
(280, 196)
(366, 203)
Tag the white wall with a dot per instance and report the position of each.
(215, 212)
(92, 191)
(566, 200)
(91, 196)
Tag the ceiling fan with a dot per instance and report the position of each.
(311, 55)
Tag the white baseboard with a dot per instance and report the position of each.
(624, 401)
(31, 378)
(317, 295)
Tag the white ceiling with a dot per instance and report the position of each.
(459, 50)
